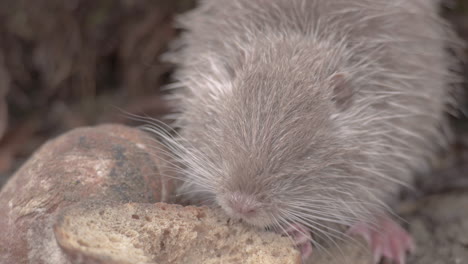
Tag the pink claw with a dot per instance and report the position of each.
(302, 239)
(388, 240)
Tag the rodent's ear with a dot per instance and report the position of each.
(342, 91)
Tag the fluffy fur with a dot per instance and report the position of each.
(320, 110)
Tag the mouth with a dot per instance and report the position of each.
(245, 208)
(258, 219)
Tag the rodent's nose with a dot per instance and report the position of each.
(242, 204)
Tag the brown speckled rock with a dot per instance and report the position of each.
(165, 234)
(108, 162)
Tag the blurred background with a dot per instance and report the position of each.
(70, 63)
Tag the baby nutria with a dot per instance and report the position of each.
(301, 115)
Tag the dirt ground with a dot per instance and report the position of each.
(94, 58)
(439, 224)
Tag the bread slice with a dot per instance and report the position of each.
(165, 233)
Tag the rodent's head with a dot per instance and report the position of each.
(268, 148)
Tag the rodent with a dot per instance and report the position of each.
(310, 111)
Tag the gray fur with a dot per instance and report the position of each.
(318, 109)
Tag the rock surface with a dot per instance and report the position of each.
(108, 162)
(165, 233)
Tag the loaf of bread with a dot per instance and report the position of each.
(165, 233)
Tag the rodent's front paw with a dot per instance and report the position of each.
(388, 240)
(302, 239)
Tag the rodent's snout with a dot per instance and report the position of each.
(240, 205)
